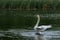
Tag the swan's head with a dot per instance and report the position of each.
(37, 16)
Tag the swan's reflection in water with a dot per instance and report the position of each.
(38, 37)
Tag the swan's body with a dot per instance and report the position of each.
(42, 27)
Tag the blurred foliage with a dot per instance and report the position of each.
(30, 4)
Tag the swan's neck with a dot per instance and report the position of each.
(37, 22)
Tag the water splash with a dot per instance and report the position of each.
(46, 35)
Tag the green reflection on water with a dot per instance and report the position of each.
(14, 19)
(25, 19)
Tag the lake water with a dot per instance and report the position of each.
(17, 22)
(24, 34)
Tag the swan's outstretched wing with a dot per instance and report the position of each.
(44, 27)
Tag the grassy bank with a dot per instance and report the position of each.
(30, 4)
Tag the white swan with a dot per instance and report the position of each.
(42, 27)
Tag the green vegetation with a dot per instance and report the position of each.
(30, 4)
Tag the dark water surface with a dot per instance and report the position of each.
(26, 20)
